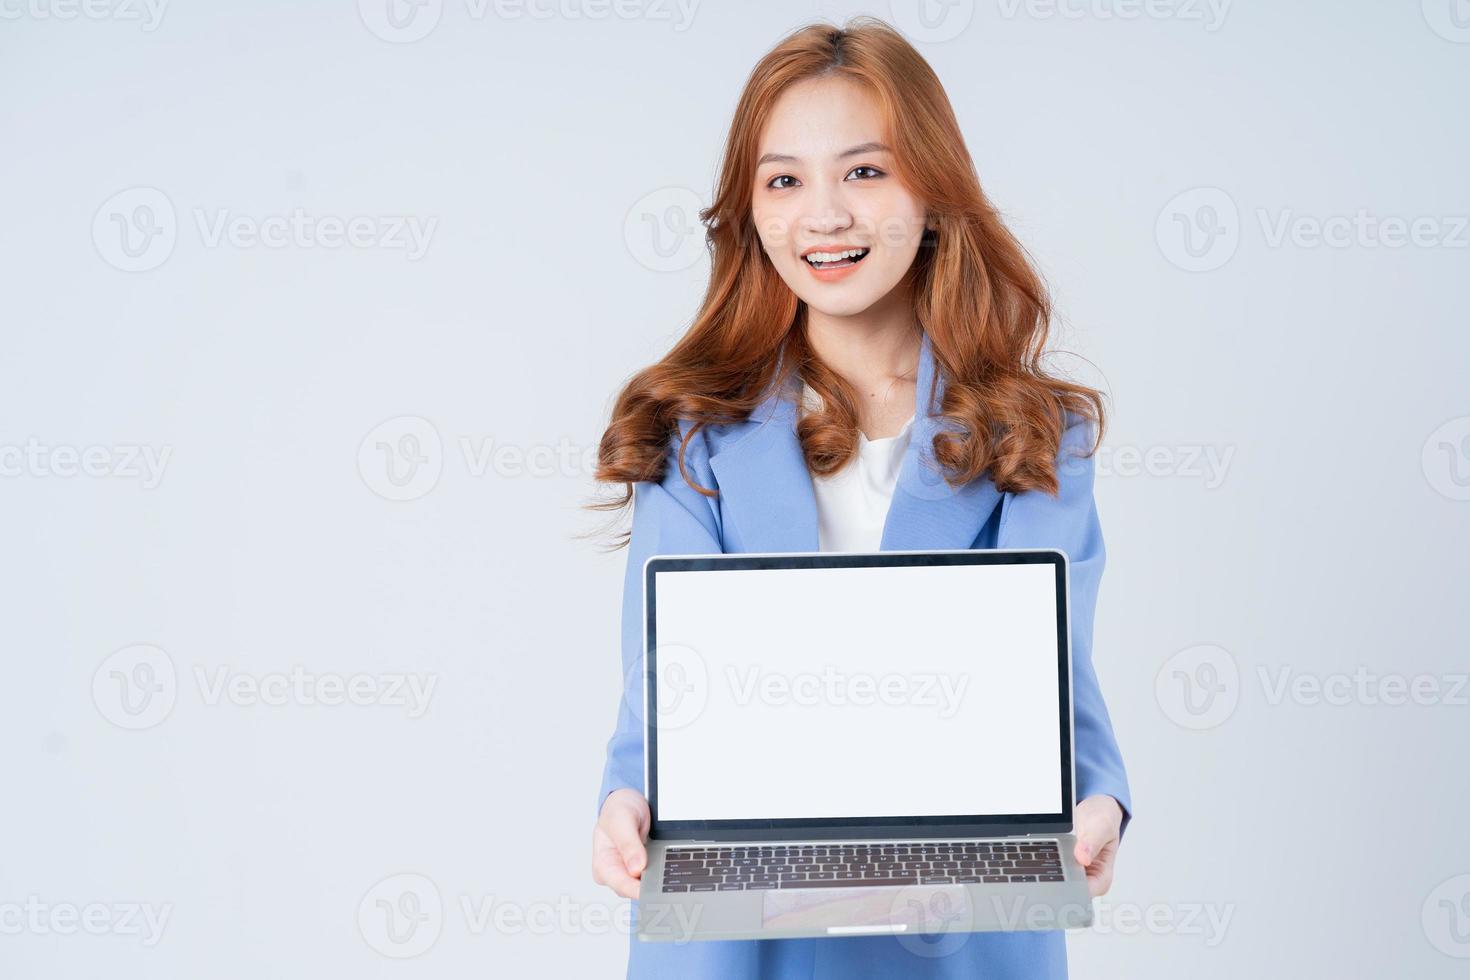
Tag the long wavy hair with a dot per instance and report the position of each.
(976, 295)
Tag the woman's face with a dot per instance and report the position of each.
(824, 184)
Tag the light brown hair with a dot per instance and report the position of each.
(976, 295)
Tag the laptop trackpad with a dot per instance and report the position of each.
(856, 911)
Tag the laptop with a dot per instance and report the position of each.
(858, 744)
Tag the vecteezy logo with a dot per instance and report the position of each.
(400, 21)
(1446, 459)
(1199, 230)
(1446, 917)
(662, 230)
(1198, 687)
(1450, 19)
(136, 687)
(932, 21)
(402, 458)
(135, 230)
(401, 916)
(937, 921)
(683, 686)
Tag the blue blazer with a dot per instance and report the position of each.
(766, 503)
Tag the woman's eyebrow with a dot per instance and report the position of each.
(852, 151)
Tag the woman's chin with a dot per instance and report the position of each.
(840, 305)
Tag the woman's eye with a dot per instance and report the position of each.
(868, 173)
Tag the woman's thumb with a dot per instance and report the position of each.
(633, 855)
(625, 832)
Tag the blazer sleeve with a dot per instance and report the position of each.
(669, 518)
(1069, 521)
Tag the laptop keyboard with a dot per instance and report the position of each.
(763, 867)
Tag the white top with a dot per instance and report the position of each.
(852, 503)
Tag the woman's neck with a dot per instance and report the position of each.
(878, 356)
(879, 345)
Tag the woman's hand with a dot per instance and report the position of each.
(618, 855)
(1097, 821)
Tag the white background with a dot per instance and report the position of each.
(762, 748)
(1327, 547)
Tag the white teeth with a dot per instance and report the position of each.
(834, 256)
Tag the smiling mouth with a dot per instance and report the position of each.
(835, 260)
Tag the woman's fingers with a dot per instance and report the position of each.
(622, 825)
(1097, 824)
(618, 854)
(1100, 870)
(608, 869)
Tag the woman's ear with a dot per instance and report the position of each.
(931, 231)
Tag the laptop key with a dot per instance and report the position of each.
(850, 883)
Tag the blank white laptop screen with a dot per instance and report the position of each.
(857, 692)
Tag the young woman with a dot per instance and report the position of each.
(864, 373)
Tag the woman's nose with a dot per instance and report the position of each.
(830, 217)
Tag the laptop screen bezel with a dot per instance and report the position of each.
(894, 827)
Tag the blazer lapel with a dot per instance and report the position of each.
(767, 503)
(926, 513)
(766, 498)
